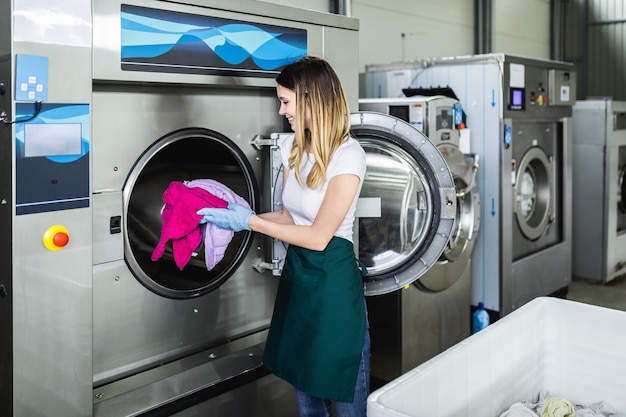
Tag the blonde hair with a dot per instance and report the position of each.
(318, 88)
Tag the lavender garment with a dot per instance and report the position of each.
(216, 239)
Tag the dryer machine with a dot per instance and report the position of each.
(415, 324)
(599, 194)
(520, 112)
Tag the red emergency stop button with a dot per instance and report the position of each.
(56, 237)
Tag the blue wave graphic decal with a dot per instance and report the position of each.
(165, 41)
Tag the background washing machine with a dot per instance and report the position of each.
(599, 195)
(519, 110)
(413, 325)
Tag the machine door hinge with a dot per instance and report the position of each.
(261, 266)
(274, 140)
(259, 141)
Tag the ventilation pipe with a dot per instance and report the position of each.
(342, 7)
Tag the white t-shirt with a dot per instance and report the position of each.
(303, 203)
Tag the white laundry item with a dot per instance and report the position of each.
(519, 409)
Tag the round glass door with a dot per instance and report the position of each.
(533, 193)
(184, 155)
(411, 198)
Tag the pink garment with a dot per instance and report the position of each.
(181, 224)
(216, 239)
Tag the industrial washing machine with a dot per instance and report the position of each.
(520, 111)
(599, 190)
(102, 105)
(417, 323)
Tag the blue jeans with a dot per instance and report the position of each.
(310, 406)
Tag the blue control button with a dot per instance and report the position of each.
(31, 78)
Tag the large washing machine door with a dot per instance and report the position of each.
(183, 155)
(534, 191)
(410, 181)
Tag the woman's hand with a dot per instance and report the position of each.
(235, 217)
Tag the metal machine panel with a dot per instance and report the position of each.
(107, 227)
(84, 331)
(52, 314)
(6, 227)
(51, 285)
(599, 153)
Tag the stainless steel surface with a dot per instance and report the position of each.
(244, 302)
(267, 396)
(51, 292)
(175, 380)
(98, 328)
(6, 222)
(599, 238)
(417, 324)
(52, 308)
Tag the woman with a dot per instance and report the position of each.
(318, 339)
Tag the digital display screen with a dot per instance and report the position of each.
(516, 99)
(52, 139)
(401, 112)
(445, 118)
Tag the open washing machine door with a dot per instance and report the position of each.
(440, 118)
(409, 180)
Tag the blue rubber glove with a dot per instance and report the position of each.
(235, 217)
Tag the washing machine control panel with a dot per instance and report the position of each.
(534, 90)
(52, 157)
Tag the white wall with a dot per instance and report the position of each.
(440, 28)
(522, 27)
(432, 28)
(317, 5)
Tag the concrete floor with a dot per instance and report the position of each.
(611, 294)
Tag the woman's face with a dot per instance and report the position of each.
(287, 108)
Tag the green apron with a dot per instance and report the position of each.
(317, 330)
